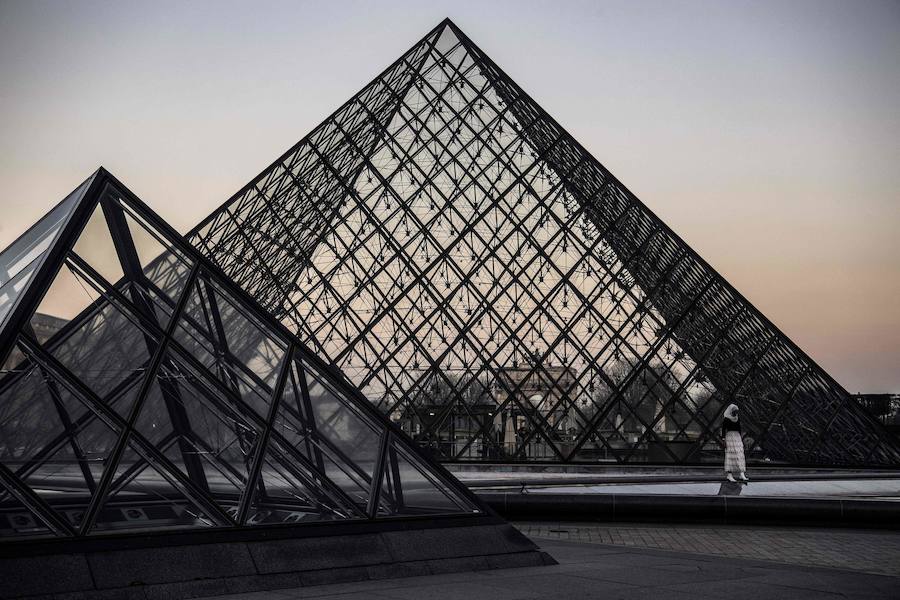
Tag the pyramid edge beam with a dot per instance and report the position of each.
(195, 230)
(41, 280)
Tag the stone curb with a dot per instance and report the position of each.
(835, 512)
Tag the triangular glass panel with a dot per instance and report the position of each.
(23, 258)
(353, 437)
(72, 472)
(96, 247)
(410, 488)
(298, 443)
(12, 364)
(30, 420)
(12, 287)
(295, 486)
(164, 266)
(230, 342)
(70, 293)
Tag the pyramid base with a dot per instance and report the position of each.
(191, 565)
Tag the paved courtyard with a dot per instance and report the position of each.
(625, 563)
(869, 551)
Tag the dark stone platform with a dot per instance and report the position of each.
(178, 566)
(832, 512)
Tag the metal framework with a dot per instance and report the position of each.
(141, 389)
(499, 294)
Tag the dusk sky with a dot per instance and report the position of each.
(765, 133)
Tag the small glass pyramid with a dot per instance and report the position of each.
(141, 390)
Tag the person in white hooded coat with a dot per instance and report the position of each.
(734, 445)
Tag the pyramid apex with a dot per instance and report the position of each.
(448, 22)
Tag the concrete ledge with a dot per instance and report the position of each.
(716, 509)
(125, 568)
(319, 553)
(193, 570)
(45, 575)
(533, 479)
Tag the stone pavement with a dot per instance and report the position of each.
(867, 550)
(594, 570)
(769, 483)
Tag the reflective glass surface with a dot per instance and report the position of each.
(22, 258)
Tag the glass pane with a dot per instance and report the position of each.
(95, 246)
(45, 326)
(164, 266)
(304, 448)
(10, 291)
(143, 496)
(343, 426)
(103, 348)
(167, 276)
(68, 477)
(69, 294)
(35, 242)
(12, 364)
(407, 490)
(51, 441)
(28, 417)
(290, 491)
(22, 258)
(231, 343)
(200, 431)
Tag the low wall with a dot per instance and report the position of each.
(715, 509)
(187, 565)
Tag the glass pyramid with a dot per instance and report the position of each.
(501, 296)
(141, 390)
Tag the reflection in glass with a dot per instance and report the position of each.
(51, 440)
(335, 418)
(227, 339)
(295, 432)
(407, 489)
(143, 496)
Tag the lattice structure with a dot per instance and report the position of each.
(497, 292)
(141, 390)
